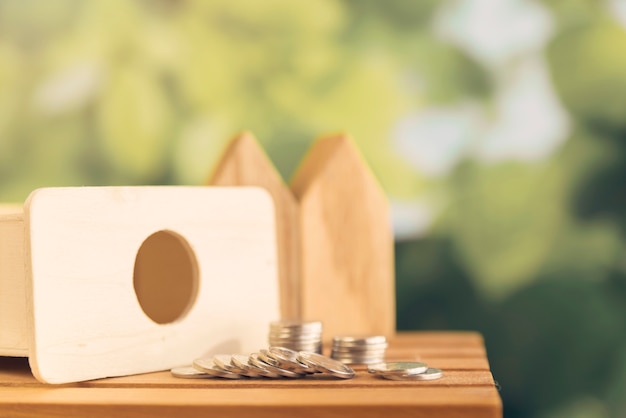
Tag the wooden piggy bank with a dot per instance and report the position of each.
(111, 281)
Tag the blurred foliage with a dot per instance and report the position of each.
(530, 253)
(496, 203)
(543, 242)
(148, 92)
(589, 65)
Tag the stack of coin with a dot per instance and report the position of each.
(297, 335)
(405, 370)
(359, 349)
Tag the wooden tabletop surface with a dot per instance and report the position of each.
(466, 389)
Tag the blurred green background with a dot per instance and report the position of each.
(496, 127)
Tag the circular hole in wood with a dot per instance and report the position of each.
(165, 277)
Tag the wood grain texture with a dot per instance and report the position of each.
(13, 317)
(466, 391)
(83, 244)
(347, 273)
(244, 163)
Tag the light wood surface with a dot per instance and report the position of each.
(466, 390)
(244, 163)
(13, 316)
(347, 273)
(91, 315)
(334, 233)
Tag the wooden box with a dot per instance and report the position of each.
(111, 281)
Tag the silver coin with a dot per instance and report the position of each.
(298, 338)
(283, 343)
(359, 360)
(300, 347)
(265, 357)
(240, 362)
(359, 354)
(398, 367)
(307, 327)
(365, 340)
(224, 362)
(188, 372)
(345, 351)
(305, 347)
(288, 359)
(296, 330)
(430, 374)
(336, 355)
(326, 365)
(296, 335)
(296, 324)
(312, 342)
(359, 349)
(261, 368)
(207, 365)
(360, 346)
(256, 360)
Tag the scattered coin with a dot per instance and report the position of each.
(429, 374)
(326, 365)
(288, 359)
(265, 357)
(398, 368)
(207, 365)
(188, 372)
(224, 362)
(262, 370)
(256, 360)
(240, 363)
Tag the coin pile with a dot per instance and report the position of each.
(296, 335)
(359, 349)
(275, 362)
(405, 370)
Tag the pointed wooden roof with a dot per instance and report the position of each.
(347, 273)
(244, 163)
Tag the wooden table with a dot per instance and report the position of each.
(466, 390)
